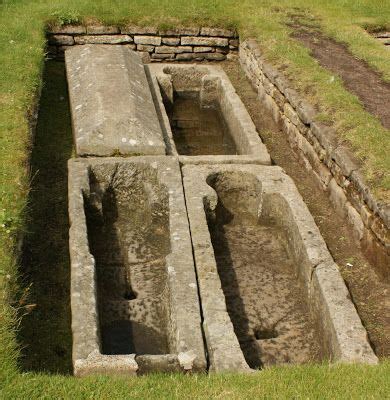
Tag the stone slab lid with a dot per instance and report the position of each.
(111, 103)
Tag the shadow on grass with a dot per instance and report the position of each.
(45, 334)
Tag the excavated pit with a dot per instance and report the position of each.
(128, 232)
(264, 298)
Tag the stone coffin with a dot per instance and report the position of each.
(214, 88)
(268, 193)
(111, 104)
(134, 299)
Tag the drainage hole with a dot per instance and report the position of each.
(264, 333)
(130, 295)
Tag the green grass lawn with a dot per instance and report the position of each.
(22, 42)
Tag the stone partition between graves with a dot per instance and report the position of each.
(155, 45)
(323, 153)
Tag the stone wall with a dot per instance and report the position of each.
(323, 153)
(156, 45)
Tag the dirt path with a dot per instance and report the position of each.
(359, 78)
(370, 294)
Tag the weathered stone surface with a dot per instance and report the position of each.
(345, 160)
(123, 184)
(162, 56)
(203, 49)
(131, 46)
(139, 30)
(337, 196)
(234, 43)
(189, 57)
(290, 113)
(102, 30)
(346, 339)
(355, 220)
(306, 112)
(170, 41)
(68, 30)
(173, 49)
(154, 40)
(179, 31)
(217, 32)
(157, 363)
(63, 40)
(111, 104)
(214, 88)
(103, 39)
(203, 41)
(332, 309)
(385, 35)
(325, 135)
(145, 48)
(215, 56)
(101, 364)
(145, 56)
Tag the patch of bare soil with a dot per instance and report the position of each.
(358, 77)
(370, 294)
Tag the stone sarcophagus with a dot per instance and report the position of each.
(269, 288)
(111, 103)
(134, 298)
(202, 117)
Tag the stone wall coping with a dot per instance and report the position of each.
(131, 29)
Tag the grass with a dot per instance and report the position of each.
(33, 191)
(309, 382)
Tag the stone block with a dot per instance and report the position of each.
(180, 31)
(203, 49)
(204, 41)
(145, 48)
(61, 40)
(345, 160)
(217, 32)
(290, 113)
(173, 49)
(111, 103)
(139, 30)
(134, 299)
(337, 196)
(355, 220)
(189, 57)
(215, 56)
(102, 30)
(346, 340)
(68, 30)
(161, 56)
(170, 41)
(103, 39)
(145, 57)
(153, 40)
